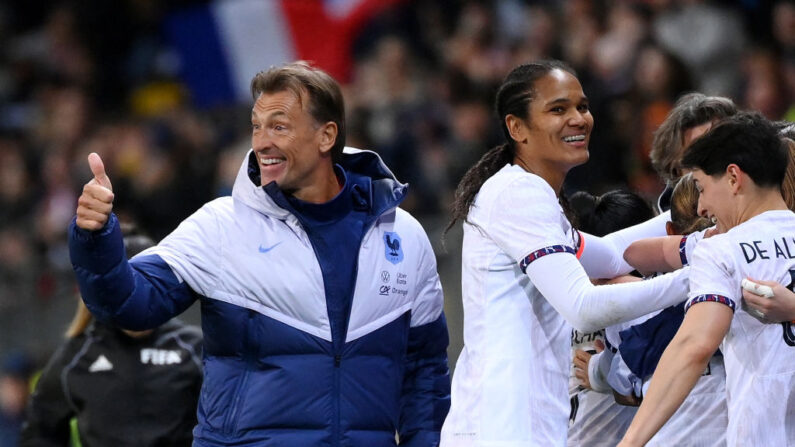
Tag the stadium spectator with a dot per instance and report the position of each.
(15, 373)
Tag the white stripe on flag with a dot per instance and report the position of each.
(340, 8)
(255, 35)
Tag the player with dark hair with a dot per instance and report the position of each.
(596, 418)
(522, 283)
(738, 166)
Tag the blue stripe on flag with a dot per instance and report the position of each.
(204, 66)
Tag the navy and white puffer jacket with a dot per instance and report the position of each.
(278, 371)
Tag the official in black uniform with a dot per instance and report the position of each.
(124, 388)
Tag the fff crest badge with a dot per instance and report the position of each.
(392, 247)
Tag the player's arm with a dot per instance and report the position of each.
(682, 363)
(604, 257)
(134, 296)
(533, 238)
(657, 254)
(776, 309)
(563, 282)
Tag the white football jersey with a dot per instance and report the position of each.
(510, 383)
(759, 358)
(595, 419)
(701, 419)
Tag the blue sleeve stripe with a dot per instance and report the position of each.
(683, 251)
(711, 298)
(543, 252)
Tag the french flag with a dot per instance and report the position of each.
(224, 43)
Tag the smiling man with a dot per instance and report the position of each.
(321, 304)
(738, 166)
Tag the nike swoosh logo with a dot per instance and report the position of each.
(267, 249)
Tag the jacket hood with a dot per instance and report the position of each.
(386, 191)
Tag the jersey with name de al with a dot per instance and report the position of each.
(759, 357)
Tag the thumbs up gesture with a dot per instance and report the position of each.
(96, 202)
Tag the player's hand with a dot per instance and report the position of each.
(581, 360)
(626, 400)
(779, 308)
(96, 201)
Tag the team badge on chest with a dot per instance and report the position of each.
(393, 249)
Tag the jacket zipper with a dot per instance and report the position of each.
(338, 345)
(335, 429)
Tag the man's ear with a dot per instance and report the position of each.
(327, 135)
(735, 176)
(516, 127)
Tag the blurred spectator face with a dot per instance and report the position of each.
(190, 129)
(228, 166)
(56, 208)
(65, 116)
(13, 174)
(15, 251)
(69, 115)
(560, 122)
(287, 142)
(765, 89)
(652, 73)
(470, 121)
(542, 32)
(582, 32)
(392, 56)
(475, 23)
(784, 23)
(16, 369)
(13, 395)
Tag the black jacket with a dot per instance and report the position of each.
(124, 391)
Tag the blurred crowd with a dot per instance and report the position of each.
(92, 76)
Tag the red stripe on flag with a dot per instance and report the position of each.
(326, 41)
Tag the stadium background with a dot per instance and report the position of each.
(158, 88)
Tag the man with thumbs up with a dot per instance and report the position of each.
(321, 304)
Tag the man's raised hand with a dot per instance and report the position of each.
(96, 202)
